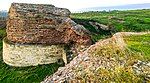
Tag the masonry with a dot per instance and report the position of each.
(25, 55)
(38, 34)
(41, 24)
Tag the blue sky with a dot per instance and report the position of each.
(74, 5)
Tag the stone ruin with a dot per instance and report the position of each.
(39, 34)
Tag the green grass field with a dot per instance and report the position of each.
(133, 20)
(140, 44)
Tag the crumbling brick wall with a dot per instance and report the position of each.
(31, 23)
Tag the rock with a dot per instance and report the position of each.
(86, 64)
(100, 27)
(36, 10)
(142, 68)
(120, 20)
(46, 24)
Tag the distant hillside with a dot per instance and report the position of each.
(131, 20)
(123, 7)
(3, 13)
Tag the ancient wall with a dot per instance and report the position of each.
(36, 33)
(25, 55)
(31, 23)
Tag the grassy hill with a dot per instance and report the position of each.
(139, 44)
(133, 20)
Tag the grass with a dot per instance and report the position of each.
(131, 20)
(120, 72)
(139, 44)
(35, 74)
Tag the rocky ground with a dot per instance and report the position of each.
(108, 60)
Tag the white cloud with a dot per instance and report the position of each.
(73, 5)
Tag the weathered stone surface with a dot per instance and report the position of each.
(99, 26)
(85, 66)
(36, 10)
(31, 55)
(142, 68)
(38, 23)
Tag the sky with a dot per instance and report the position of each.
(73, 5)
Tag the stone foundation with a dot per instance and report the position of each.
(31, 55)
